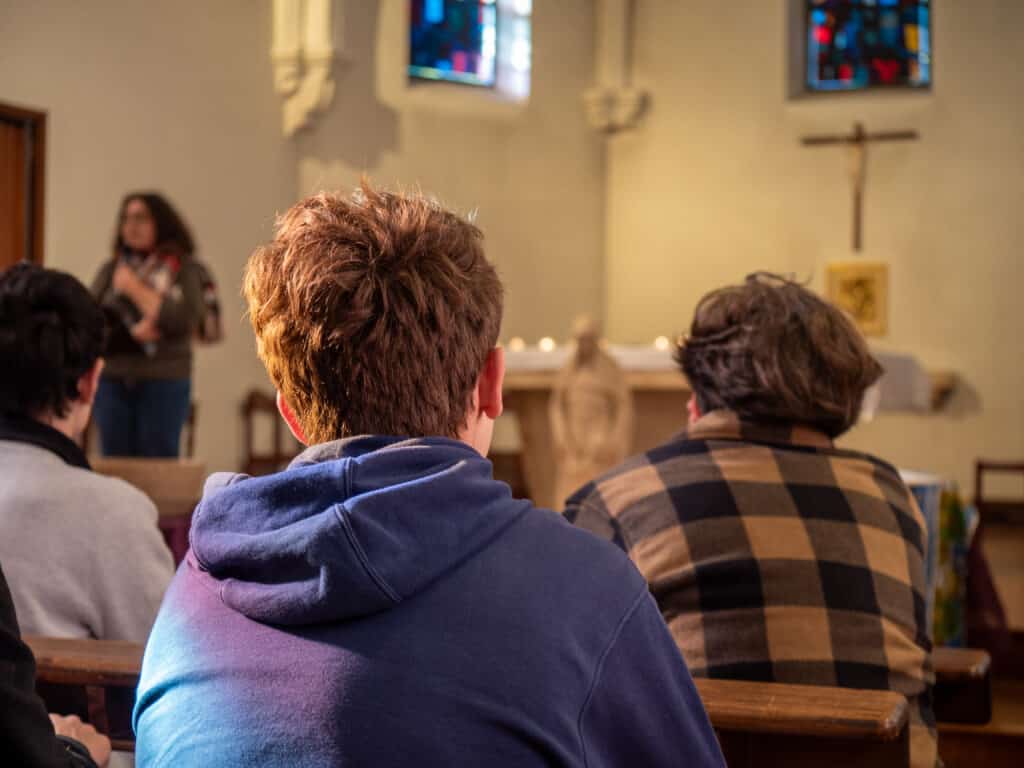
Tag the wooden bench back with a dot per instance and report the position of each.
(71, 661)
(174, 485)
(772, 724)
(759, 724)
(963, 685)
(94, 679)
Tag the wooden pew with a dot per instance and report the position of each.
(174, 485)
(829, 720)
(758, 724)
(95, 679)
(998, 743)
(963, 685)
(772, 724)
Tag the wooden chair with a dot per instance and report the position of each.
(190, 430)
(769, 725)
(283, 448)
(995, 609)
(998, 510)
(174, 485)
(95, 679)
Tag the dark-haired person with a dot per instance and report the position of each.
(82, 552)
(773, 554)
(384, 601)
(152, 291)
(28, 738)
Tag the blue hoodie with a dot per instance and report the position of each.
(388, 603)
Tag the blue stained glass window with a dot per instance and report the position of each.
(454, 40)
(860, 44)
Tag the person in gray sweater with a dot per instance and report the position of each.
(82, 552)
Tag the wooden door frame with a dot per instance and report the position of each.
(35, 121)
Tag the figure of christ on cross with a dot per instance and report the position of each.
(857, 143)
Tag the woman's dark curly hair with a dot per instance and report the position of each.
(52, 332)
(772, 351)
(171, 230)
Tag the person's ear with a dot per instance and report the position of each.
(692, 408)
(89, 382)
(289, 418)
(488, 387)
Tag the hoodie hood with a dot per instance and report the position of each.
(351, 528)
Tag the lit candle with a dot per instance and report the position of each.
(516, 344)
(547, 344)
(661, 343)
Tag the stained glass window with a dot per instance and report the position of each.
(859, 44)
(454, 40)
(514, 47)
(474, 42)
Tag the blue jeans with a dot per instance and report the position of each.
(142, 417)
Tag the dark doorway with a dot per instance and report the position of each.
(22, 172)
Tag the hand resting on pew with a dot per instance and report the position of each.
(96, 743)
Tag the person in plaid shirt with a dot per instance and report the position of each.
(772, 554)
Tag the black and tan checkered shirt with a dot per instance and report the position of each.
(775, 556)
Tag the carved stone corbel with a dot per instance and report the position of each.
(611, 110)
(612, 104)
(303, 56)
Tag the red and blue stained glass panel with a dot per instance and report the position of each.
(859, 44)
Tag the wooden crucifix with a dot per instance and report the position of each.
(857, 142)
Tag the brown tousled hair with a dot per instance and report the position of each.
(772, 351)
(374, 314)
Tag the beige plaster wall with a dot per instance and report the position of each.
(715, 185)
(176, 96)
(535, 179)
(179, 97)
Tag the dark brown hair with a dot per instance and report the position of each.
(52, 332)
(374, 314)
(772, 351)
(171, 230)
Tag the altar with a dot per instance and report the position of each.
(659, 389)
(660, 393)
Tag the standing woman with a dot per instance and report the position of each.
(152, 292)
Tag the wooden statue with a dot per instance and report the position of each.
(591, 413)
